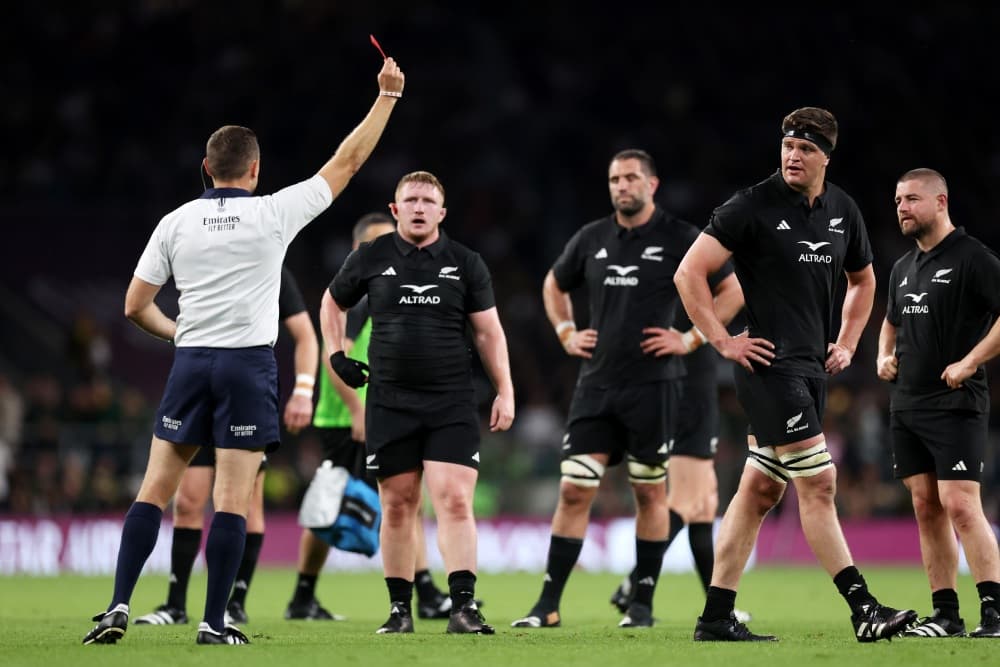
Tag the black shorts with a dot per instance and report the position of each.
(345, 452)
(405, 428)
(697, 420)
(205, 458)
(782, 409)
(948, 443)
(637, 420)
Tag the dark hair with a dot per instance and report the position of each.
(368, 220)
(230, 150)
(644, 158)
(925, 174)
(420, 177)
(812, 119)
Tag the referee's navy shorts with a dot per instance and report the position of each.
(223, 398)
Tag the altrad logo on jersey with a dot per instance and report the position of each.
(916, 308)
(418, 297)
(812, 257)
(623, 279)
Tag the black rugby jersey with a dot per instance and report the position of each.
(290, 301)
(788, 260)
(419, 300)
(629, 274)
(942, 303)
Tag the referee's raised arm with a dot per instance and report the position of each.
(359, 144)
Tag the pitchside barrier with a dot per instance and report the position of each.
(89, 545)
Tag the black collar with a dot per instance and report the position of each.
(945, 243)
(434, 249)
(215, 193)
(793, 196)
(640, 231)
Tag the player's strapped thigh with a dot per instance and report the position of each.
(949, 443)
(784, 465)
(649, 413)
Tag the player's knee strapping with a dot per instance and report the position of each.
(582, 470)
(782, 467)
(766, 460)
(807, 462)
(646, 473)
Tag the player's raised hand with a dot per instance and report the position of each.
(391, 79)
(746, 351)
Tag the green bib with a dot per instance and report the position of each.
(331, 412)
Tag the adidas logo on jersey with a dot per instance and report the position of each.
(905, 280)
(389, 272)
(960, 466)
(601, 254)
(782, 226)
(475, 457)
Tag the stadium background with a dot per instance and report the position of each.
(106, 108)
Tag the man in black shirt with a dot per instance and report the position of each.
(790, 237)
(692, 490)
(626, 395)
(939, 330)
(423, 289)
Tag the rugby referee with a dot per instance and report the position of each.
(224, 251)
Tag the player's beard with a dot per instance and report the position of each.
(917, 228)
(629, 206)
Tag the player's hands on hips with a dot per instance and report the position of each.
(390, 79)
(581, 343)
(354, 373)
(745, 350)
(661, 342)
(887, 367)
(502, 414)
(298, 413)
(957, 373)
(838, 358)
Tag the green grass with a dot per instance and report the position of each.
(42, 621)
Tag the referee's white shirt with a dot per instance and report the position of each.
(225, 255)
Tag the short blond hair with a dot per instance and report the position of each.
(420, 177)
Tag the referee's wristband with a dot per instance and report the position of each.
(692, 339)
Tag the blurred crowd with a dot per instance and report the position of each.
(516, 110)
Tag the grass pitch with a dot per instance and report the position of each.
(42, 621)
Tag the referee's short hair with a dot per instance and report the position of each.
(229, 152)
(644, 158)
(367, 220)
(420, 177)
